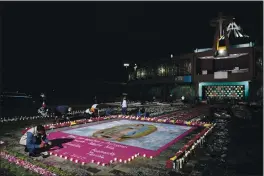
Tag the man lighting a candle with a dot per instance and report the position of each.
(35, 141)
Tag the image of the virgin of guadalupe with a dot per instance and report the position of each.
(125, 132)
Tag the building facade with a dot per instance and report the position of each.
(231, 68)
(162, 79)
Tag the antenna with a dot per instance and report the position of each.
(218, 22)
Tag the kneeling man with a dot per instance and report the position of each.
(35, 140)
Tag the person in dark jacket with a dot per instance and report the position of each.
(35, 140)
(61, 112)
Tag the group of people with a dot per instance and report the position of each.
(142, 112)
(35, 139)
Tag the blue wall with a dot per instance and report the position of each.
(187, 79)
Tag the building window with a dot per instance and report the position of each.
(162, 71)
(187, 67)
(138, 73)
(143, 74)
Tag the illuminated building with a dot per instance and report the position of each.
(228, 69)
(231, 68)
(163, 78)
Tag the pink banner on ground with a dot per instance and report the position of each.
(87, 149)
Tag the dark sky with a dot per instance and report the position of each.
(68, 43)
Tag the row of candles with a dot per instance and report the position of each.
(21, 118)
(183, 154)
(115, 160)
(199, 138)
(152, 119)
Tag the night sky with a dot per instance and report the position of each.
(49, 45)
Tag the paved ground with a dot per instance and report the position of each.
(234, 149)
(153, 166)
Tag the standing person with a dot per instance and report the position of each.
(124, 106)
(35, 140)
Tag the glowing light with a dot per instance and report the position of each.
(221, 51)
(143, 74)
(161, 70)
(126, 65)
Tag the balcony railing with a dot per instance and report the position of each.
(244, 76)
